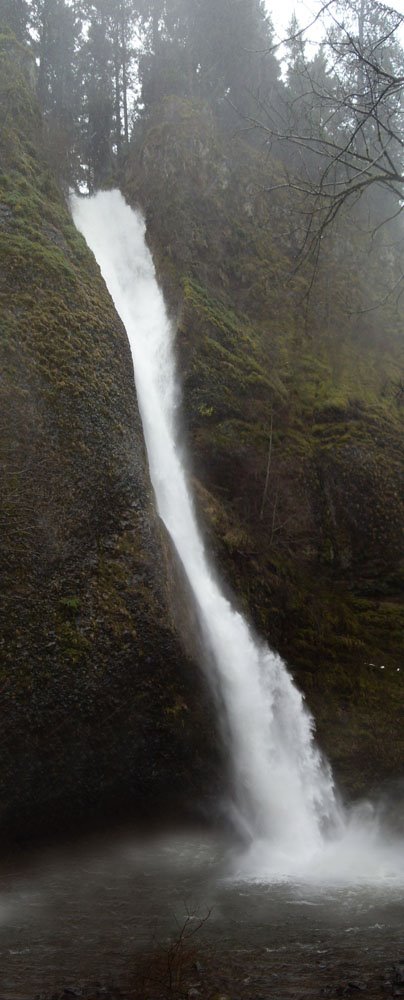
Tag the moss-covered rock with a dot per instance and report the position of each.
(294, 428)
(101, 711)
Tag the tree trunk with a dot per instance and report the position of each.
(124, 74)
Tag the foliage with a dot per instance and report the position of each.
(340, 133)
(92, 674)
(104, 64)
(335, 121)
(167, 970)
(318, 565)
(274, 379)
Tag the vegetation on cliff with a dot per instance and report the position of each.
(294, 423)
(100, 705)
(293, 395)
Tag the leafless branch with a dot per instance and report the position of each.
(355, 139)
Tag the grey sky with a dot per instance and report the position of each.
(282, 10)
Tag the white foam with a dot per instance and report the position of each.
(285, 797)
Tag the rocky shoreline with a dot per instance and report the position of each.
(252, 976)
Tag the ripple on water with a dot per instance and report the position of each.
(92, 908)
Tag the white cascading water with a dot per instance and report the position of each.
(284, 789)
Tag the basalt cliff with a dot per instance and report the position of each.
(103, 713)
(293, 427)
(294, 417)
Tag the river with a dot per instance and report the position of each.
(89, 914)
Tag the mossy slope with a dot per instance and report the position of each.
(101, 712)
(302, 390)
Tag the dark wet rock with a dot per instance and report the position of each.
(5, 214)
(100, 705)
(399, 972)
(350, 989)
(54, 236)
(323, 579)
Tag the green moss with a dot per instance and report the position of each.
(73, 603)
(270, 375)
(92, 673)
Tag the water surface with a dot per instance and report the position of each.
(84, 914)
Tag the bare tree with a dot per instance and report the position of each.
(340, 128)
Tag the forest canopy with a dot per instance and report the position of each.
(332, 118)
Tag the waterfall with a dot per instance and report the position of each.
(284, 790)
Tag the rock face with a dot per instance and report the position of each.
(102, 713)
(294, 423)
(297, 464)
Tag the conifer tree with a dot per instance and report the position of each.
(54, 29)
(346, 129)
(107, 57)
(96, 66)
(14, 17)
(210, 49)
